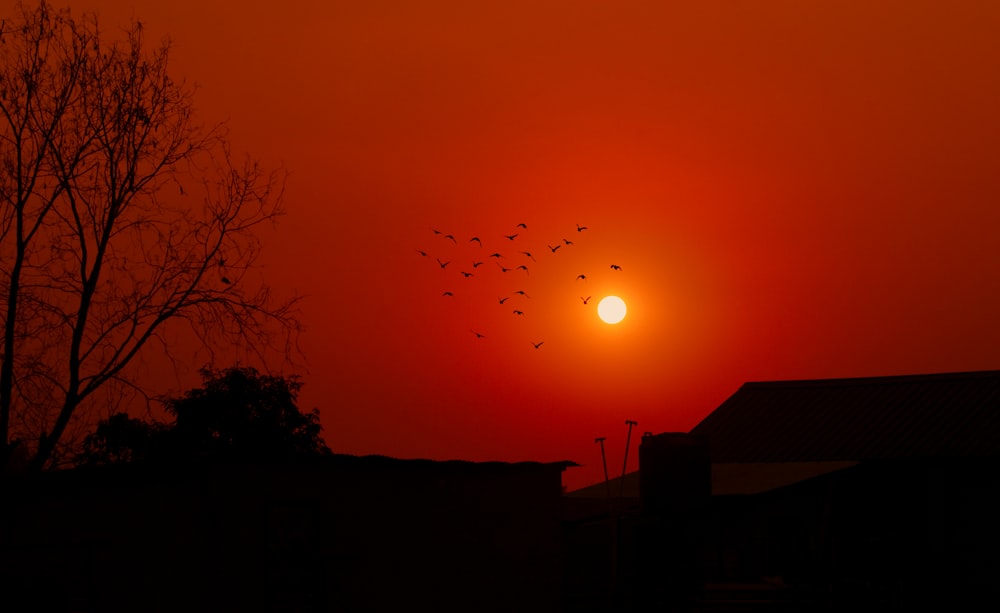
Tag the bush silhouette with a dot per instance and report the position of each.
(238, 412)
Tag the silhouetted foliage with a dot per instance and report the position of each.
(238, 412)
(122, 439)
(121, 218)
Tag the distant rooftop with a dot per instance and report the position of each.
(727, 479)
(837, 420)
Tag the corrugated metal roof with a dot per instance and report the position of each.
(936, 415)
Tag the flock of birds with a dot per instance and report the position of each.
(512, 255)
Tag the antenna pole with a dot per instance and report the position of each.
(628, 440)
(604, 461)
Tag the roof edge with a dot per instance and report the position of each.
(876, 380)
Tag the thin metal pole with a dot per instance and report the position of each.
(604, 461)
(613, 524)
(628, 440)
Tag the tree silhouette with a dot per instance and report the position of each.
(121, 219)
(237, 413)
(121, 439)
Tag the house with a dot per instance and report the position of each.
(842, 494)
(342, 533)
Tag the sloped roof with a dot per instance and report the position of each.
(727, 478)
(755, 477)
(620, 487)
(935, 415)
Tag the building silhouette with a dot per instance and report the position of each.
(842, 494)
(341, 533)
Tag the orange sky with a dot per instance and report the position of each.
(792, 189)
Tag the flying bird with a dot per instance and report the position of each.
(420, 251)
(477, 264)
(510, 236)
(504, 299)
(466, 274)
(585, 300)
(502, 269)
(528, 253)
(580, 228)
(567, 241)
(442, 264)
(436, 231)
(476, 238)
(478, 335)
(447, 294)
(615, 267)
(554, 248)
(496, 255)
(523, 293)
(451, 237)
(522, 225)
(523, 267)
(536, 345)
(581, 277)
(516, 312)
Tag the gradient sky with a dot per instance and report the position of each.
(792, 190)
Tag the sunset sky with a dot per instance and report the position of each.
(791, 190)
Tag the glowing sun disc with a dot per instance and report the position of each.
(611, 309)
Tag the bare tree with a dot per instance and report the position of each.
(121, 218)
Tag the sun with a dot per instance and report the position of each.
(611, 309)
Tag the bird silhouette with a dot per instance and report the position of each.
(537, 345)
(510, 236)
(478, 335)
(420, 251)
(523, 293)
(442, 264)
(615, 267)
(554, 248)
(516, 312)
(447, 294)
(466, 274)
(496, 255)
(476, 238)
(451, 237)
(528, 253)
(567, 241)
(502, 269)
(580, 228)
(523, 267)
(477, 264)
(436, 231)
(504, 299)
(522, 225)
(581, 277)
(585, 300)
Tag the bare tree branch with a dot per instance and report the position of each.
(120, 217)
